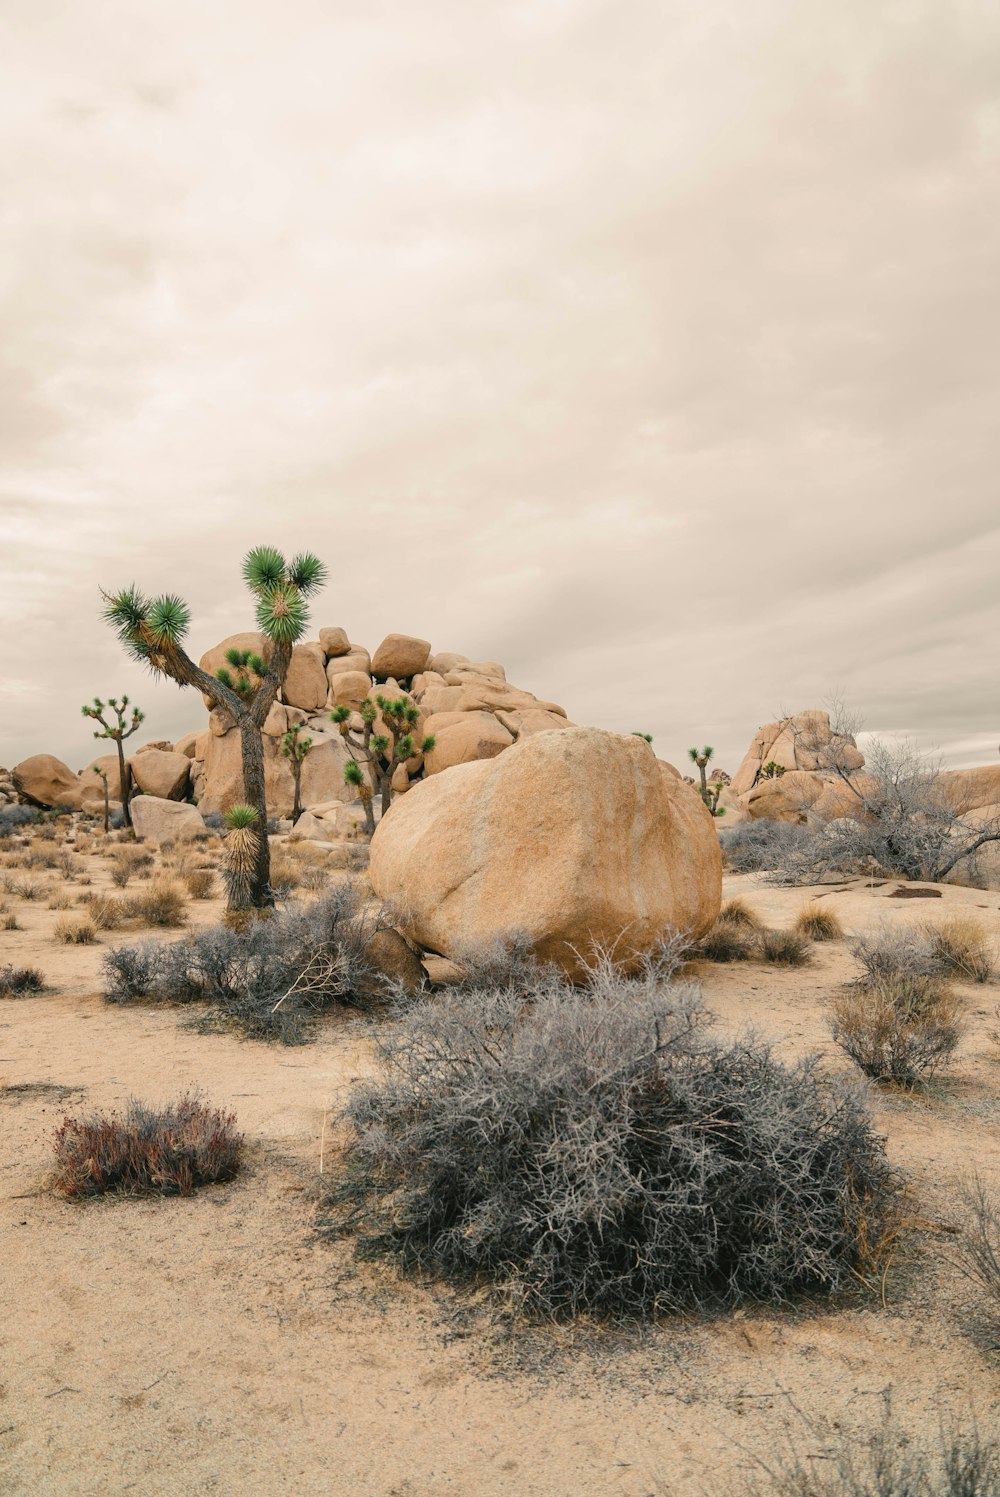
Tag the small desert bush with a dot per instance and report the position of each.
(120, 875)
(816, 923)
(961, 947)
(784, 948)
(884, 1461)
(979, 1245)
(151, 1150)
(75, 932)
(162, 904)
(10, 922)
(771, 847)
(28, 888)
(16, 818)
(58, 902)
(69, 867)
(200, 883)
(268, 980)
(726, 942)
(17, 982)
(891, 952)
(105, 911)
(737, 912)
(593, 1151)
(286, 874)
(900, 1028)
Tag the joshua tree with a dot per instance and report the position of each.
(382, 753)
(296, 751)
(107, 803)
(354, 775)
(709, 793)
(152, 630)
(119, 732)
(772, 770)
(250, 672)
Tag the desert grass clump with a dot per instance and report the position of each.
(200, 883)
(10, 922)
(28, 888)
(890, 952)
(816, 923)
(593, 1151)
(738, 913)
(75, 932)
(120, 875)
(286, 875)
(726, 942)
(18, 982)
(58, 902)
(168, 1150)
(162, 904)
(979, 1245)
(784, 948)
(961, 947)
(883, 1461)
(104, 910)
(268, 981)
(899, 1029)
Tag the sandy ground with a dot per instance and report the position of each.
(218, 1345)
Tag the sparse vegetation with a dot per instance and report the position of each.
(268, 981)
(899, 1027)
(384, 743)
(75, 932)
(784, 948)
(737, 912)
(167, 1150)
(594, 1151)
(883, 1461)
(296, 749)
(18, 982)
(200, 883)
(960, 946)
(816, 923)
(979, 1245)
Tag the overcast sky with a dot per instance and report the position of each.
(650, 347)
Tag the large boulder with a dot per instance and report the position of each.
(215, 660)
(805, 741)
(92, 786)
(400, 655)
(165, 775)
(350, 689)
(356, 659)
(157, 820)
(967, 790)
(334, 642)
(461, 737)
(575, 837)
(46, 781)
(305, 685)
(219, 784)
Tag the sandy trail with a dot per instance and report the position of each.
(216, 1345)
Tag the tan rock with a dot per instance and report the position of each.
(400, 655)
(306, 684)
(335, 642)
(801, 796)
(91, 784)
(342, 665)
(474, 735)
(967, 790)
(444, 661)
(161, 774)
(309, 827)
(393, 964)
(220, 722)
(526, 721)
(575, 838)
(350, 689)
(803, 741)
(187, 745)
(159, 821)
(47, 781)
(221, 784)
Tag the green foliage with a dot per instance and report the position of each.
(240, 816)
(648, 737)
(116, 730)
(293, 746)
(167, 620)
(352, 773)
(281, 590)
(772, 770)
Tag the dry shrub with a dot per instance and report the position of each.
(738, 913)
(880, 1461)
(726, 942)
(17, 982)
(286, 874)
(120, 875)
(785, 948)
(268, 979)
(960, 946)
(28, 888)
(10, 922)
(58, 902)
(592, 1151)
(200, 883)
(979, 1245)
(162, 904)
(151, 1150)
(105, 911)
(899, 1028)
(75, 932)
(817, 923)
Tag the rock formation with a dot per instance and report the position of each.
(577, 838)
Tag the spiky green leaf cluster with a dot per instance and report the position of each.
(647, 737)
(340, 714)
(282, 614)
(306, 572)
(352, 773)
(240, 816)
(263, 567)
(428, 743)
(167, 620)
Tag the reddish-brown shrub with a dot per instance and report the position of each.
(166, 1150)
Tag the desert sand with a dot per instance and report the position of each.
(219, 1345)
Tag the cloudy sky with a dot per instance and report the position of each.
(650, 347)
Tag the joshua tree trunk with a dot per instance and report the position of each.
(704, 780)
(297, 782)
(107, 807)
(252, 755)
(124, 783)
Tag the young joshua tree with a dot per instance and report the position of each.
(119, 731)
(709, 793)
(354, 775)
(107, 800)
(152, 631)
(382, 753)
(296, 750)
